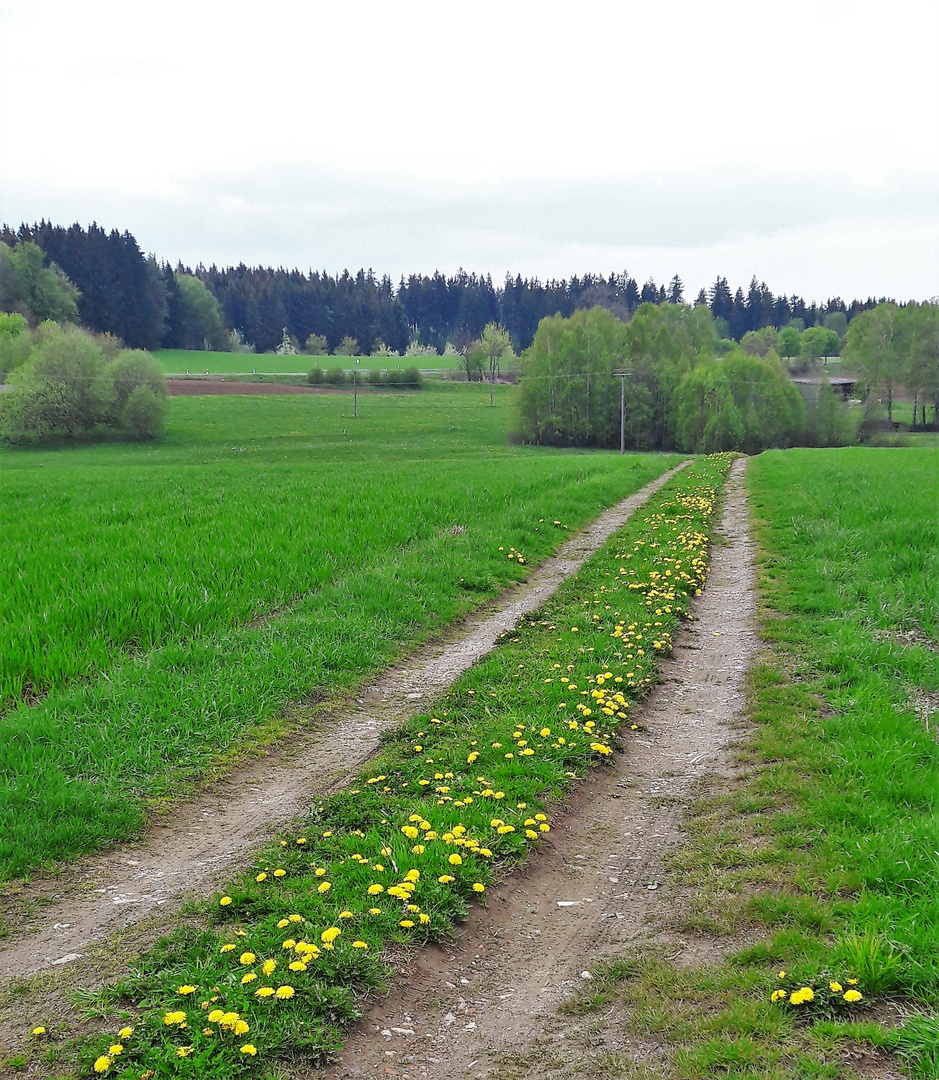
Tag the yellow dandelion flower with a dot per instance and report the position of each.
(279, 873)
(264, 991)
(283, 923)
(227, 948)
(268, 966)
(478, 886)
(374, 911)
(187, 989)
(777, 995)
(240, 1027)
(329, 935)
(852, 996)
(249, 1049)
(406, 923)
(37, 1031)
(319, 872)
(284, 992)
(261, 877)
(835, 987)
(359, 945)
(323, 887)
(298, 965)
(247, 958)
(225, 901)
(115, 1049)
(249, 978)
(102, 1064)
(183, 1051)
(455, 860)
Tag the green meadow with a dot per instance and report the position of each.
(181, 361)
(161, 605)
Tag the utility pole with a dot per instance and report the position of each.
(621, 375)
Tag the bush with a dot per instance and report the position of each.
(316, 345)
(316, 376)
(130, 370)
(72, 383)
(413, 378)
(349, 346)
(144, 413)
(375, 377)
(336, 376)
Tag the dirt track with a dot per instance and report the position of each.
(193, 850)
(464, 1009)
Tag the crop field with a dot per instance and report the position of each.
(181, 361)
(161, 603)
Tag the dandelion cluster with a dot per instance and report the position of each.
(822, 997)
(400, 855)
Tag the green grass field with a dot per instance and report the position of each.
(131, 579)
(181, 361)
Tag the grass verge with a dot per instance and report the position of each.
(266, 976)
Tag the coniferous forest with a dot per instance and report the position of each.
(148, 304)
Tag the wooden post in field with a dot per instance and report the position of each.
(355, 395)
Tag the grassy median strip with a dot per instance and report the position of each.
(274, 973)
(829, 848)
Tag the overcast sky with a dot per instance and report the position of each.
(795, 141)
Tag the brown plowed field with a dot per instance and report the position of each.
(200, 387)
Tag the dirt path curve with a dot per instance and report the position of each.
(466, 1008)
(206, 838)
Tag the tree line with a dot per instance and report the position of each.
(103, 281)
(666, 380)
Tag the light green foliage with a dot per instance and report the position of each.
(316, 345)
(130, 577)
(12, 324)
(383, 350)
(37, 291)
(568, 395)
(201, 323)
(790, 342)
(70, 382)
(921, 367)
(144, 413)
(817, 342)
(347, 347)
(759, 342)
(738, 403)
(828, 420)
(62, 388)
(875, 347)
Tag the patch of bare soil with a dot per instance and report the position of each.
(55, 923)
(475, 1006)
(199, 387)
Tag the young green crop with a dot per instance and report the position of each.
(142, 572)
